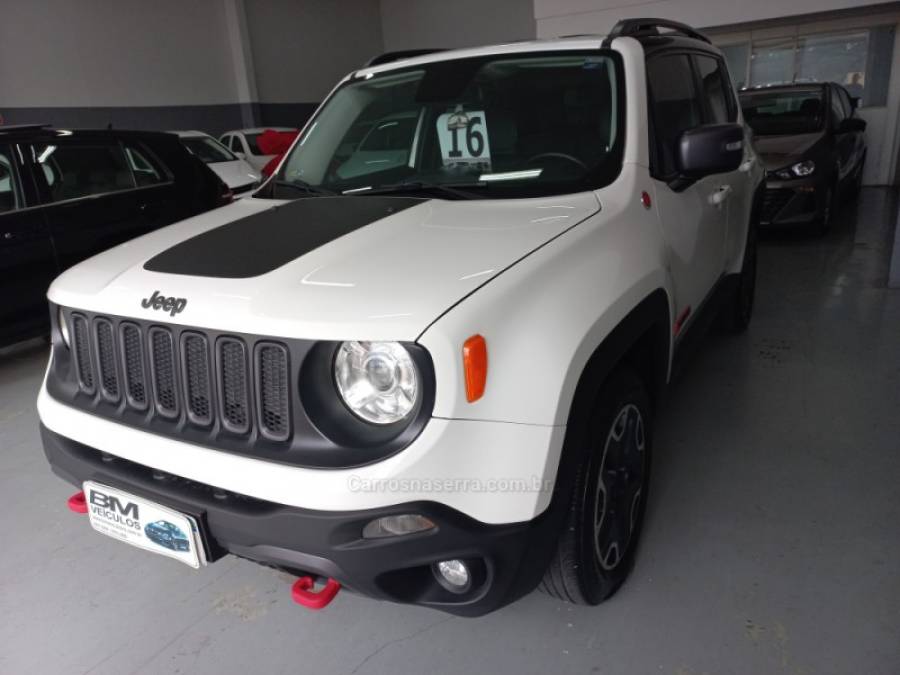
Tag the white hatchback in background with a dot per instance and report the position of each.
(243, 143)
(237, 173)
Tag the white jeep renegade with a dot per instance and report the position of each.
(422, 361)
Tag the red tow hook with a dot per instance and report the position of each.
(302, 594)
(77, 503)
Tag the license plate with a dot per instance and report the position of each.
(142, 523)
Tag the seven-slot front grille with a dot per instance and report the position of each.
(185, 375)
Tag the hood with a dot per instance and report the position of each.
(360, 267)
(777, 152)
(235, 174)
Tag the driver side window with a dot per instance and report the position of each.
(674, 108)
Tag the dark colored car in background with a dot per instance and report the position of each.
(66, 195)
(812, 146)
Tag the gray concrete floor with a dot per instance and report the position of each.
(771, 544)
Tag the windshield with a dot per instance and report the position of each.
(207, 149)
(771, 113)
(510, 125)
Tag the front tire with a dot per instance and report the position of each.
(596, 548)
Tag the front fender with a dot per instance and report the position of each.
(545, 317)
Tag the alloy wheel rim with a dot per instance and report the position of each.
(617, 501)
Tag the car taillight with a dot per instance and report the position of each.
(226, 196)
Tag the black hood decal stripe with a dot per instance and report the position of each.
(257, 244)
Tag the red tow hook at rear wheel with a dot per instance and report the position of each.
(302, 594)
(77, 503)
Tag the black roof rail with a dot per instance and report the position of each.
(8, 128)
(390, 57)
(644, 27)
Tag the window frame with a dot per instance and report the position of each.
(591, 182)
(44, 189)
(731, 104)
(15, 180)
(654, 148)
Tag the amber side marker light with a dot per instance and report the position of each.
(475, 364)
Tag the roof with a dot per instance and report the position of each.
(190, 133)
(256, 130)
(790, 86)
(646, 30)
(48, 131)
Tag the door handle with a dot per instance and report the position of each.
(720, 195)
(7, 236)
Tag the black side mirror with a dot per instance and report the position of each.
(710, 149)
(851, 124)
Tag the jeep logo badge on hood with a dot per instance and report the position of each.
(171, 305)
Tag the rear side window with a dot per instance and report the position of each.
(252, 143)
(716, 90)
(10, 199)
(145, 169)
(74, 170)
(675, 106)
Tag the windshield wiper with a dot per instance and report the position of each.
(304, 187)
(455, 189)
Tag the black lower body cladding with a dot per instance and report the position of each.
(507, 561)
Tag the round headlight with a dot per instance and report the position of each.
(802, 169)
(63, 327)
(377, 380)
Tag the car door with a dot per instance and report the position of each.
(844, 141)
(155, 192)
(856, 138)
(90, 195)
(27, 262)
(735, 195)
(693, 218)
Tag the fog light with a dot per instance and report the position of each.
(393, 526)
(453, 575)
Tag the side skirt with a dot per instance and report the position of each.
(691, 336)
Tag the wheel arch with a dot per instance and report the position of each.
(641, 339)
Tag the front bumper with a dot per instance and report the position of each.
(793, 202)
(508, 559)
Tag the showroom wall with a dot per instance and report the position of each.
(146, 64)
(419, 24)
(301, 48)
(215, 64)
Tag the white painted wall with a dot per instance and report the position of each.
(59, 53)
(301, 48)
(420, 24)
